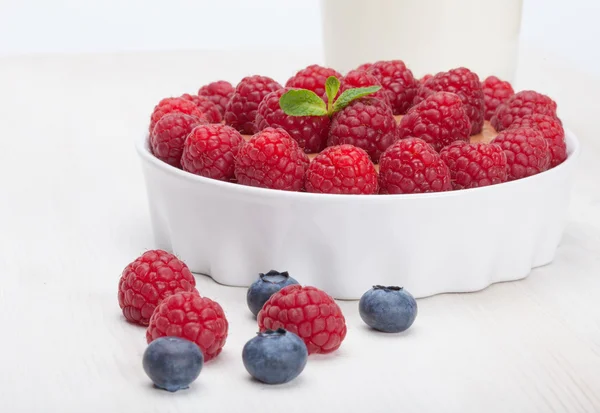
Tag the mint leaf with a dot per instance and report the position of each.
(332, 85)
(352, 94)
(302, 102)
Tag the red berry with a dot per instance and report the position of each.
(364, 66)
(168, 136)
(194, 318)
(466, 85)
(308, 312)
(210, 151)
(398, 82)
(343, 169)
(148, 280)
(170, 105)
(439, 120)
(526, 150)
(412, 166)
(475, 164)
(360, 78)
(551, 129)
(309, 131)
(219, 93)
(425, 78)
(206, 106)
(521, 104)
(367, 123)
(271, 159)
(495, 92)
(243, 105)
(312, 78)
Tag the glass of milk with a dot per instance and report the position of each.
(428, 35)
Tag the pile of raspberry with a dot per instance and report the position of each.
(410, 135)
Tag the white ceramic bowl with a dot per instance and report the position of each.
(457, 241)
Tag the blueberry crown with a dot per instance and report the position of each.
(272, 273)
(389, 288)
(272, 333)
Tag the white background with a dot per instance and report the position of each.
(565, 29)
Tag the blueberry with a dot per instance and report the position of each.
(263, 288)
(173, 363)
(388, 309)
(275, 357)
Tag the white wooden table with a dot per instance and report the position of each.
(73, 213)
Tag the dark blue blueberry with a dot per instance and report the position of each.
(173, 363)
(388, 309)
(275, 357)
(263, 288)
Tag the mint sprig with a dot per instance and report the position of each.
(303, 102)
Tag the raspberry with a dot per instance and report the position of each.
(309, 131)
(271, 159)
(439, 120)
(360, 78)
(551, 129)
(210, 151)
(149, 279)
(219, 93)
(312, 78)
(475, 164)
(240, 112)
(412, 166)
(425, 78)
(206, 106)
(343, 169)
(364, 66)
(308, 312)
(367, 123)
(466, 85)
(194, 318)
(168, 136)
(170, 105)
(398, 82)
(526, 151)
(521, 104)
(495, 92)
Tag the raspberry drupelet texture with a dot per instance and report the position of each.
(367, 123)
(312, 78)
(526, 102)
(148, 280)
(361, 78)
(171, 105)
(219, 93)
(412, 166)
(466, 85)
(364, 66)
(209, 109)
(439, 120)
(194, 318)
(495, 92)
(168, 136)
(526, 150)
(343, 169)
(309, 131)
(551, 129)
(398, 82)
(425, 78)
(271, 159)
(210, 151)
(474, 165)
(307, 312)
(243, 105)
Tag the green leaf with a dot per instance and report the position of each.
(302, 102)
(352, 94)
(332, 85)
